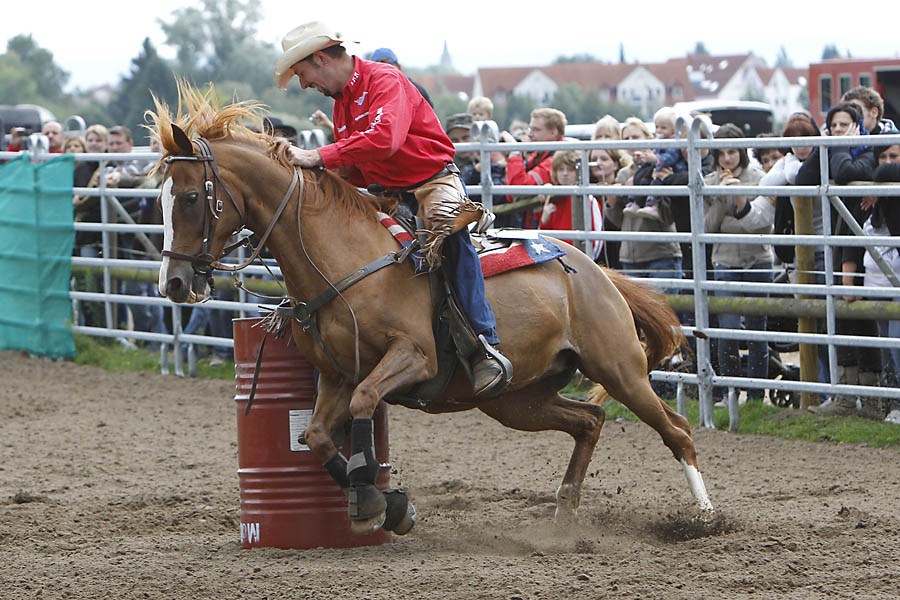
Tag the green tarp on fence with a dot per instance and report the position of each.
(36, 237)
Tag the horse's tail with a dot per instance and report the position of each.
(656, 322)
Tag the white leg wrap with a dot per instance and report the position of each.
(698, 489)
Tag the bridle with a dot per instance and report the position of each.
(204, 263)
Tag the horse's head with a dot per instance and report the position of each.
(193, 199)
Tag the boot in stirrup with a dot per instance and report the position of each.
(491, 371)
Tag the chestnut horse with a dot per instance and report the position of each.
(550, 320)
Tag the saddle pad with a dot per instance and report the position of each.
(499, 255)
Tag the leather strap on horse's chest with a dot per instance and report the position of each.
(305, 312)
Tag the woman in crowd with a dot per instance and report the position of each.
(885, 221)
(557, 210)
(74, 145)
(739, 262)
(608, 128)
(660, 260)
(856, 365)
(605, 165)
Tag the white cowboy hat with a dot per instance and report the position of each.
(299, 43)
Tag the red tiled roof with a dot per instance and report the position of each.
(794, 74)
(453, 84)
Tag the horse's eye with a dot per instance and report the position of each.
(190, 198)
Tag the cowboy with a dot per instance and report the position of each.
(386, 135)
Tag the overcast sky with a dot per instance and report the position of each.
(95, 41)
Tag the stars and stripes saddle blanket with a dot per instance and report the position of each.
(512, 249)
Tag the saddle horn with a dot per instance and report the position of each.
(182, 140)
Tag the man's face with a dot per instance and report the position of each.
(316, 72)
(891, 155)
(54, 133)
(460, 135)
(540, 131)
(118, 143)
(870, 115)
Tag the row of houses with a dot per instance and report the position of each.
(644, 85)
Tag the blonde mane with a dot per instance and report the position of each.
(201, 114)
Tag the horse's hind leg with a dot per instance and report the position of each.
(624, 376)
(543, 409)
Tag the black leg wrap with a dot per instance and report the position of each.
(365, 501)
(362, 467)
(400, 517)
(337, 468)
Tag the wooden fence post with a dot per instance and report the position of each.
(809, 362)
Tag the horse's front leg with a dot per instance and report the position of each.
(403, 365)
(332, 407)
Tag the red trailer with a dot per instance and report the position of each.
(829, 80)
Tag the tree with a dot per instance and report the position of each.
(17, 85)
(49, 77)
(700, 49)
(216, 41)
(783, 60)
(148, 72)
(830, 51)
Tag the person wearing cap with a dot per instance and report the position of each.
(459, 130)
(387, 137)
(386, 55)
(278, 128)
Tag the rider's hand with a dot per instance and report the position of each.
(305, 159)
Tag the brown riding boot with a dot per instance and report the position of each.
(491, 371)
(871, 407)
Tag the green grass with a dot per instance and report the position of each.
(763, 419)
(755, 418)
(113, 356)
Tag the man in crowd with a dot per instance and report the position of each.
(547, 125)
(53, 130)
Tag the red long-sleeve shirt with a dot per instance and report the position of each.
(385, 129)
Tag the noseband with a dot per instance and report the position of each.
(204, 263)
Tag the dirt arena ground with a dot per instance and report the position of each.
(121, 486)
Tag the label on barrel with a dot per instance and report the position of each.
(249, 533)
(299, 421)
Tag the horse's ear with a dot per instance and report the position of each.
(182, 140)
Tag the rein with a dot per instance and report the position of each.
(304, 313)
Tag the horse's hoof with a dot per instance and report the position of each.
(367, 526)
(401, 514)
(564, 516)
(408, 520)
(366, 507)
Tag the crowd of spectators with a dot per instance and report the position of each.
(859, 113)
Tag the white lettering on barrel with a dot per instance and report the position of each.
(168, 203)
(249, 533)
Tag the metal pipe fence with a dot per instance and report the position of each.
(697, 138)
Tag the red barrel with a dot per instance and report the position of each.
(288, 500)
